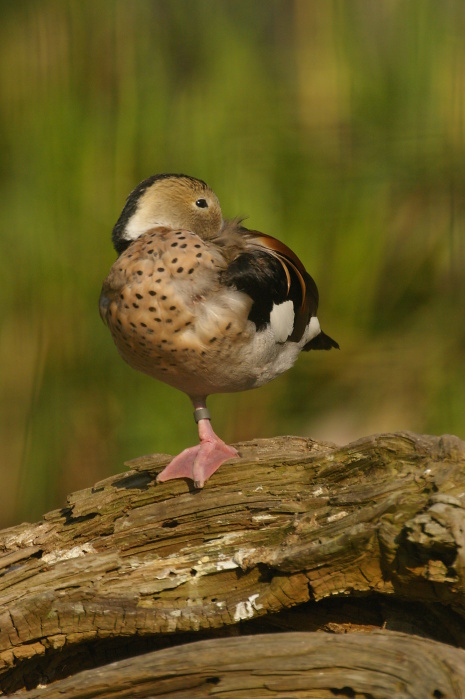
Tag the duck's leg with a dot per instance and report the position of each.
(200, 462)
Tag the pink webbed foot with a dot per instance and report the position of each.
(200, 462)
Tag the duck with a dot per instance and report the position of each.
(204, 304)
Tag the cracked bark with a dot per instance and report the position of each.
(296, 539)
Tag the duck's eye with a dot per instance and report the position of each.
(201, 203)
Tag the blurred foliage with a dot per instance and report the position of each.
(336, 126)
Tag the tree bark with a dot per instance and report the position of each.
(295, 539)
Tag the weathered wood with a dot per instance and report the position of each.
(276, 539)
(293, 665)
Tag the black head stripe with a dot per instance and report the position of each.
(119, 242)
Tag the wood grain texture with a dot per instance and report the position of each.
(293, 665)
(296, 535)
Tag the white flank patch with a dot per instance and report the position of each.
(282, 320)
(313, 329)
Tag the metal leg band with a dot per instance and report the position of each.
(202, 414)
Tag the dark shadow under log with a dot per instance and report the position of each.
(296, 536)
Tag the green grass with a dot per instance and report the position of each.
(336, 126)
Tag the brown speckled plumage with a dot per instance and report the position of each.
(203, 305)
(168, 314)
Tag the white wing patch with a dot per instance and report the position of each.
(313, 329)
(282, 320)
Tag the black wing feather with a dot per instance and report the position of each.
(261, 275)
(271, 273)
(321, 342)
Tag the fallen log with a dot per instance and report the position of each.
(380, 664)
(296, 536)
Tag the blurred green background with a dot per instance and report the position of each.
(336, 126)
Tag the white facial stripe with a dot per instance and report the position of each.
(140, 223)
(282, 320)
